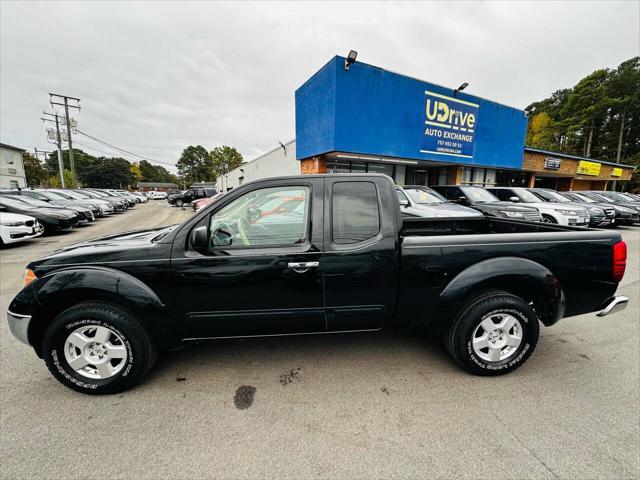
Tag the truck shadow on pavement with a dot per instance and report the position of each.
(286, 359)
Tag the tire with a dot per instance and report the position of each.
(117, 361)
(510, 317)
(548, 219)
(179, 203)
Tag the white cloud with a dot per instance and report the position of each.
(155, 77)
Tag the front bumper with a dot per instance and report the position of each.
(19, 326)
(612, 305)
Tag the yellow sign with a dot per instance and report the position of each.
(588, 168)
(616, 172)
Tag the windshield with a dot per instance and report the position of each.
(83, 195)
(579, 198)
(478, 195)
(618, 197)
(424, 196)
(60, 195)
(552, 196)
(33, 201)
(13, 202)
(526, 196)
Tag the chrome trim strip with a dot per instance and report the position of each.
(614, 304)
(19, 326)
(192, 339)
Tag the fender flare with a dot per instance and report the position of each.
(59, 289)
(514, 274)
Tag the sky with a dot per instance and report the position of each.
(155, 77)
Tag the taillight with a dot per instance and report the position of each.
(619, 260)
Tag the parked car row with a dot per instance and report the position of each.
(29, 213)
(590, 208)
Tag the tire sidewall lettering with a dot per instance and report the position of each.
(62, 366)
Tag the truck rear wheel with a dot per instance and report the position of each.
(493, 334)
(97, 348)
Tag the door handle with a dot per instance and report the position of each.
(302, 267)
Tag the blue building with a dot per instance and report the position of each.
(365, 118)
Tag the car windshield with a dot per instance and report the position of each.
(100, 194)
(526, 196)
(13, 202)
(61, 195)
(618, 197)
(552, 196)
(424, 196)
(479, 195)
(33, 201)
(580, 198)
(83, 195)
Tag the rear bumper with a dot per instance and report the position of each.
(19, 326)
(612, 305)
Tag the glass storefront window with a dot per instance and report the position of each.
(400, 174)
(384, 168)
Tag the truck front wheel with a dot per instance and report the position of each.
(493, 334)
(97, 348)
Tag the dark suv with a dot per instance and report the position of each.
(179, 199)
(486, 202)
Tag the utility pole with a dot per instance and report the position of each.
(66, 106)
(58, 143)
(45, 155)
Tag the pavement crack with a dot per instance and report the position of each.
(524, 445)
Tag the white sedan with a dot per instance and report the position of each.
(156, 195)
(16, 228)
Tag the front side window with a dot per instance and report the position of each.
(262, 218)
(355, 212)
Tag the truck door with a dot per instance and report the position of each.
(261, 274)
(361, 243)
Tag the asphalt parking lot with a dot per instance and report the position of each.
(390, 405)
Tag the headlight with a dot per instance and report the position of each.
(513, 214)
(568, 212)
(596, 211)
(11, 223)
(29, 277)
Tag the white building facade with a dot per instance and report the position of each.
(11, 167)
(275, 163)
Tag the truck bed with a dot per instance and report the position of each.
(436, 251)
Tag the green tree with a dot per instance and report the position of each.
(196, 165)
(35, 171)
(135, 169)
(54, 180)
(225, 159)
(109, 173)
(598, 117)
(82, 161)
(156, 173)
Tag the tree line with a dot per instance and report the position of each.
(195, 164)
(599, 117)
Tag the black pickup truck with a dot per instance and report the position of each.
(343, 260)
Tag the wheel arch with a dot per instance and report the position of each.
(62, 289)
(519, 276)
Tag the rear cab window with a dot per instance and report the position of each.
(355, 211)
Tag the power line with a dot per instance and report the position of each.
(123, 150)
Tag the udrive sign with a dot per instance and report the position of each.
(449, 125)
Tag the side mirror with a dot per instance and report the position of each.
(404, 202)
(462, 199)
(199, 239)
(514, 199)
